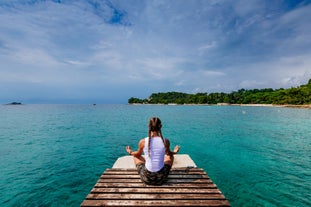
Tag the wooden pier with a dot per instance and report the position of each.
(186, 186)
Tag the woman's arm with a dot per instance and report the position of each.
(168, 150)
(139, 152)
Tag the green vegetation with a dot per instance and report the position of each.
(296, 96)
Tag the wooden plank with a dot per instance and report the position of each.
(154, 190)
(148, 196)
(174, 172)
(176, 176)
(170, 181)
(211, 203)
(187, 169)
(142, 185)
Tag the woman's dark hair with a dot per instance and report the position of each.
(155, 125)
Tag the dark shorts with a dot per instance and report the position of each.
(153, 178)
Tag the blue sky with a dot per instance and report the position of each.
(98, 51)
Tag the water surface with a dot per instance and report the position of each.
(52, 155)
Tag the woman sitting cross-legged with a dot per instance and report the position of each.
(155, 166)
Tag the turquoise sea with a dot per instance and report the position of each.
(52, 155)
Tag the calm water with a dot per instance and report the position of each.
(52, 155)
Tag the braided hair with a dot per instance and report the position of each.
(155, 125)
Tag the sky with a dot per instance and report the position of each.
(101, 51)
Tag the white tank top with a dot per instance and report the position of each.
(155, 162)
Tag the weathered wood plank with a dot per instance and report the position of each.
(154, 190)
(187, 169)
(211, 203)
(170, 181)
(148, 196)
(187, 176)
(142, 185)
(173, 172)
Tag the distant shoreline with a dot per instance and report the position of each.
(14, 103)
(306, 106)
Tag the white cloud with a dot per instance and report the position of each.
(207, 46)
(35, 57)
(280, 73)
(211, 73)
(76, 63)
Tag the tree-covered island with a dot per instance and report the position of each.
(294, 96)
